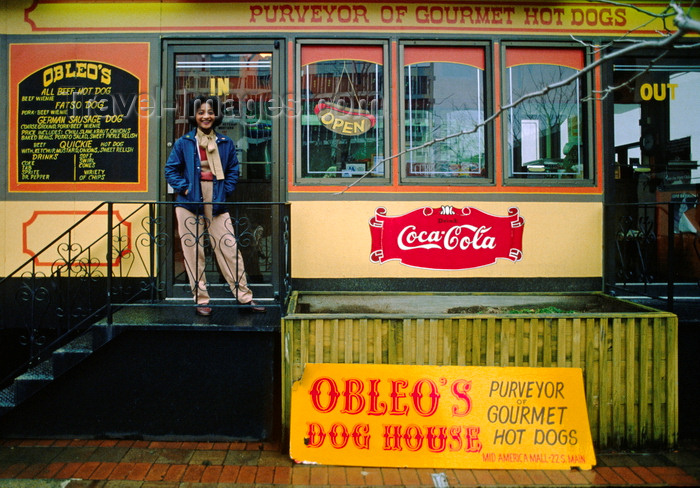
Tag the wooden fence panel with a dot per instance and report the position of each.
(629, 362)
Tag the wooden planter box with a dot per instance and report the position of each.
(628, 352)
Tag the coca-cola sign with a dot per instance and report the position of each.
(446, 238)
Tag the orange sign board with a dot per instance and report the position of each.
(79, 117)
(441, 417)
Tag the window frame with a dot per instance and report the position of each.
(586, 126)
(301, 180)
(660, 132)
(488, 128)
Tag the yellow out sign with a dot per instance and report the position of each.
(658, 91)
(441, 417)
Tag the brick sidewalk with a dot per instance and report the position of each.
(144, 464)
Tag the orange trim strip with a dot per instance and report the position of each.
(416, 29)
(598, 131)
(316, 54)
(572, 58)
(454, 190)
(37, 213)
(472, 56)
(394, 164)
(498, 126)
(291, 121)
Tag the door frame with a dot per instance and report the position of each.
(175, 46)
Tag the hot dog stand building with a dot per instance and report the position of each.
(393, 156)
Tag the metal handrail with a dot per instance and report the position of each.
(69, 285)
(642, 260)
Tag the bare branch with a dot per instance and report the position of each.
(684, 24)
(635, 7)
(604, 93)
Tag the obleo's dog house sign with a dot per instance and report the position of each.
(446, 238)
(458, 417)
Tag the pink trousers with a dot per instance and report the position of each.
(199, 232)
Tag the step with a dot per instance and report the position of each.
(64, 358)
(41, 372)
(7, 398)
(103, 333)
(83, 343)
(33, 380)
(60, 361)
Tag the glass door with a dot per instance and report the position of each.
(243, 78)
(656, 180)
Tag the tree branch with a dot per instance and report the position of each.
(683, 22)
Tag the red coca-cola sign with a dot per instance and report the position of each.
(446, 238)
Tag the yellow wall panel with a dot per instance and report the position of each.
(332, 240)
(30, 226)
(40, 230)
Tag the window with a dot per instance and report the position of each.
(657, 148)
(546, 134)
(657, 133)
(444, 95)
(444, 98)
(342, 121)
(242, 81)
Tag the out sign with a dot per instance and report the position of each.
(658, 91)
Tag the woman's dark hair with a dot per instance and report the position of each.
(197, 102)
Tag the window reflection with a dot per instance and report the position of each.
(342, 127)
(242, 82)
(657, 149)
(544, 135)
(443, 99)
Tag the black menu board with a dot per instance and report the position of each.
(78, 121)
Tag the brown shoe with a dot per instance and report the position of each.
(203, 310)
(251, 306)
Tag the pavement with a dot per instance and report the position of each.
(109, 463)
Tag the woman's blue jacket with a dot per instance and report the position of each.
(183, 169)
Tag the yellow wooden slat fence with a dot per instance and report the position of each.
(629, 361)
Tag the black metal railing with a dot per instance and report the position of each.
(123, 253)
(653, 250)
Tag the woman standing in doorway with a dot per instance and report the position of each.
(203, 171)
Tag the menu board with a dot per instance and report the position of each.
(79, 115)
(78, 122)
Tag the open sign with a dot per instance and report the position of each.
(344, 120)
